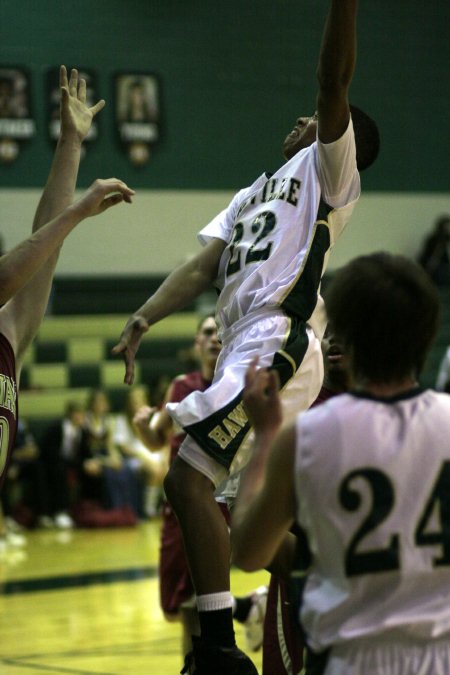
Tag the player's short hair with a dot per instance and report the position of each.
(385, 313)
(367, 138)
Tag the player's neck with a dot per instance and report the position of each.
(386, 389)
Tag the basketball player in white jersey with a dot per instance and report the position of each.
(367, 477)
(265, 253)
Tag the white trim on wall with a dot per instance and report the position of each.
(158, 231)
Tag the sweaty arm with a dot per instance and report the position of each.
(336, 145)
(265, 505)
(182, 286)
(335, 69)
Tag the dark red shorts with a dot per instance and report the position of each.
(282, 642)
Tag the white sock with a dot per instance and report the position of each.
(214, 601)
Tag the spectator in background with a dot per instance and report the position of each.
(145, 479)
(61, 455)
(443, 376)
(435, 254)
(100, 462)
(24, 492)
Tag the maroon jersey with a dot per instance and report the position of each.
(8, 405)
(182, 386)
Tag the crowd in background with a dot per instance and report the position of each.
(84, 471)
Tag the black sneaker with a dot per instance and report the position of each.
(206, 659)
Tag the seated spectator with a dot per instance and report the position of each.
(61, 456)
(149, 475)
(24, 492)
(97, 455)
(106, 485)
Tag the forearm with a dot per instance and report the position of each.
(20, 264)
(151, 438)
(338, 49)
(245, 511)
(180, 288)
(60, 187)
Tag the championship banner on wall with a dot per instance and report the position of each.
(92, 96)
(137, 114)
(16, 122)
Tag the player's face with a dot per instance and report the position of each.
(302, 135)
(333, 356)
(207, 343)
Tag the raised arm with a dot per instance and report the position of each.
(182, 286)
(25, 311)
(335, 69)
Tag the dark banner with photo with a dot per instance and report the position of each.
(137, 114)
(16, 121)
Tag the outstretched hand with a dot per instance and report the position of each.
(129, 343)
(101, 196)
(261, 398)
(76, 116)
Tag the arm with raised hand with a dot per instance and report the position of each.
(335, 69)
(182, 286)
(26, 309)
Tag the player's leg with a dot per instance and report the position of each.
(205, 532)
(207, 545)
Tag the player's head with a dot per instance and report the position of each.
(207, 344)
(367, 137)
(74, 412)
(385, 313)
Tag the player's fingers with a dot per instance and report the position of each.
(97, 107)
(273, 384)
(112, 200)
(129, 371)
(82, 90)
(73, 82)
(64, 94)
(63, 77)
(119, 347)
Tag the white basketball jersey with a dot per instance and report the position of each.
(372, 483)
(279, 233)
